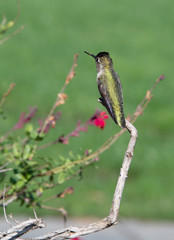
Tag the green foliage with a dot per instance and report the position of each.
(31, 175)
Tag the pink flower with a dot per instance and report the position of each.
(63, 140)
(161, 77)
(25, 118)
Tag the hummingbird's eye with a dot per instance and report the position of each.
(97, 60)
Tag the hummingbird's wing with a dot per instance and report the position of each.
(105, 101)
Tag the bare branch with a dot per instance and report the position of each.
(21, 229)
(123, 173)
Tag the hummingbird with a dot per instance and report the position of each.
(110, 87)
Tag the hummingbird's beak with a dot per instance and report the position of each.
(90, 54)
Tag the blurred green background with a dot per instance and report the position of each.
(139, 36)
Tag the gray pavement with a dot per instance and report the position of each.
(127, 229)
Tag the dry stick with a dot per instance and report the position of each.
(59, 96)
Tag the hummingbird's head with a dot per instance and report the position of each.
(102, 60)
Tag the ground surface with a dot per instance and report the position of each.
(125, 230)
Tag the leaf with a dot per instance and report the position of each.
(12, 180)
(19, 184)
(61, 177)
(78, 156)
(62, 159)
(17, 162)
(71, 154)
(26, 152)
(17, 150)
(68, 163)
(33, 134)
(10, 191)
(32, 163)
(18, 176)
(29, 128)
(41, 136)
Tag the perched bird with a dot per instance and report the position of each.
(109, 86)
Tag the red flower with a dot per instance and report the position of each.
(99, 121)
(77, 238)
